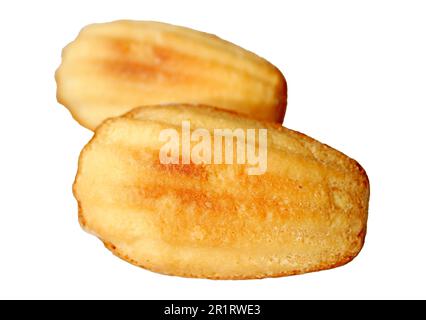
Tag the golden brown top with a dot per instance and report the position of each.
(307, 212)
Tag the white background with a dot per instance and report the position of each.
(356, 73)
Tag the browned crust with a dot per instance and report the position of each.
(283, 94)
(321, 267)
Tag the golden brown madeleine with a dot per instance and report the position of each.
(113, 67)
(307, 212)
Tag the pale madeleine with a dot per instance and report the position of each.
(113, 67)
